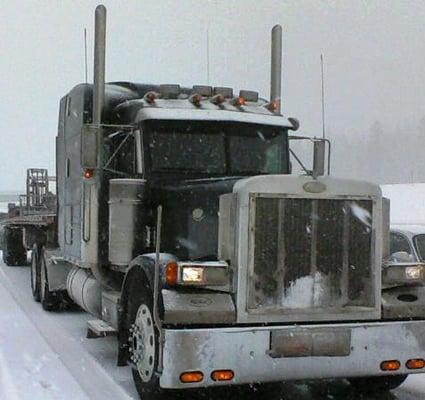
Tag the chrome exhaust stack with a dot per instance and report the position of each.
(99, 63)
(276, 68)
(90, 246)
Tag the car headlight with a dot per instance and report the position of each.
(403, 274)
(188, 273)
(415, 272)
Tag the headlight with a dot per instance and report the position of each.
(193, 274)
(403, 274)
(189, 273)
(414, 272)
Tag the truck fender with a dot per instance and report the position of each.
(140, 270)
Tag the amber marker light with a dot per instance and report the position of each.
(195, 99)
(222, 375)
(272, 106)
(191, 377)
(218, 99)
(390, 365)
(88, 173)
(239, 101)
(150, 97)
(171, 273)
(415, 363)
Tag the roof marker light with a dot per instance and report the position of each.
(150, 97)
(195, 99)
(272, 106)
(218, 99)
(239, 101)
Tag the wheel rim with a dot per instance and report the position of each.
(142, 343)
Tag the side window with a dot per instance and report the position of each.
(398, 243)
(125, 159)
(67, 167)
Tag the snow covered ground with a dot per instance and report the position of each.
(46, 356)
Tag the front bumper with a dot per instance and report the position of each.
(246, 351)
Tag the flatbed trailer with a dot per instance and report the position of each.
(32, 222)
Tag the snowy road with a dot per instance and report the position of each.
(46, 356)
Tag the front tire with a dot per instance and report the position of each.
(35, 273)
(143, 339)
(377, 383)
(50, 300)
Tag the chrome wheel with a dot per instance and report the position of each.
(142, 343)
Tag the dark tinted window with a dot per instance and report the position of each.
(216, 148)
(182, 151)
(125, 158)
(419, 241)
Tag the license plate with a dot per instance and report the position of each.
(310, 343)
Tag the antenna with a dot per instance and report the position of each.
(208, 55)
(85, 54)
(323, 96)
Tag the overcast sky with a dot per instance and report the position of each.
(374, 61)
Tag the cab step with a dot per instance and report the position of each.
(96, 328)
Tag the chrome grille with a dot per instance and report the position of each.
(311, 253)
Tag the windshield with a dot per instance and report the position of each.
(216, 148)
(419, 241)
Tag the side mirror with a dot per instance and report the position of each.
(319, 158)
(89, 150)
(295, 124)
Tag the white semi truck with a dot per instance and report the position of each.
(182, 230)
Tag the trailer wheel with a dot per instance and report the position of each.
(35, 273)
(50, 300)
(377, 383)
(143, 342)
(14, 252)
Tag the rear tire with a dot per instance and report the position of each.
(14, 252)
(377, 383)
(50, 300)
(35, 273)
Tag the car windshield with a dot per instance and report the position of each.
(216, 148)
(419, 241)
